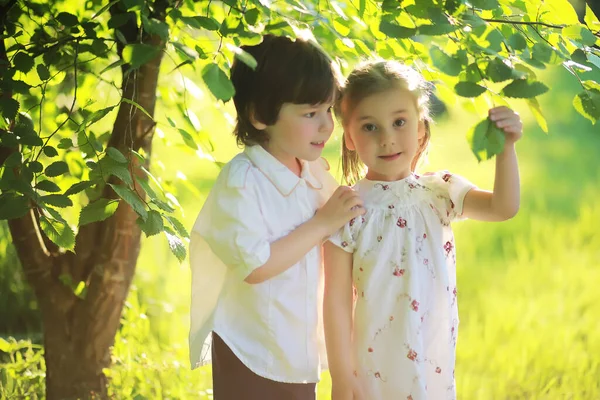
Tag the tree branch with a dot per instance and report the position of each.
(504, 21)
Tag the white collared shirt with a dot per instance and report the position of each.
(272, 327)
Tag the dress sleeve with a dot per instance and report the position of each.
(232, 223)
(346, 237)
(452, 189)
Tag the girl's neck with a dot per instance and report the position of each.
(375, 176)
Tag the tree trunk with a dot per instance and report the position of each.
(79, 332)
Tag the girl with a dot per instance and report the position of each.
(399, 255)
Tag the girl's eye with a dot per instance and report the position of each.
(399, 122)
(369, 127)
(310, 114)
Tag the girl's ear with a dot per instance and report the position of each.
(255, 122)
(348, 142)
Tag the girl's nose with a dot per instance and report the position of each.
(386, 138)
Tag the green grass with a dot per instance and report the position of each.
(528, 288)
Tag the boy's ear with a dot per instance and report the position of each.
(348, 141)
(255, 122)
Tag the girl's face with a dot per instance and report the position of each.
(385, 130)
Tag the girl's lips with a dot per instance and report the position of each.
(320, 144)
(390, 157)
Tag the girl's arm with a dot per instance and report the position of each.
(343, 205)
(503, 202)
(337, 317)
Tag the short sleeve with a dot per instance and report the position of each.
(232, 224)
(453, 188)
(346, 237)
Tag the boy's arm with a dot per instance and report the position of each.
(503, 202)
(343, 205)
(337, 313)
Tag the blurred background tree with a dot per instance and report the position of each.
(103, 103)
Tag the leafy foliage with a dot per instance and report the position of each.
(55, 130)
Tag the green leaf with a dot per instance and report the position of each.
(243, 56)
(251, 16)
(36, 167)
(116, 155)
(517, 41)
(47, 186)
(486, 140)
(580, 34)
(446, 64)
(178, 226)
(469, 89)
(588, 104)
(50, 151)
(545, 54)
(188, 139)
(4, 346)
(57, 200)
(43, 72)
(136, 105)
(536, 110)
(437, 29)
(139, 54)
(153, 224)
(65, 144)
(498, 71)
(58, 232)
(9, 108)
(23, 62)
(524, 89)
(107, 167)
(396, 31)
(132, 199)
(99, 210)
(176, 245)
(116, 64)
(217, 82)
(485, 4)
(14, 160)
(200, 22)
(67, 19)
(104, 8)
(156, 27)
(78, 187)
(57, 168)
(12, 206)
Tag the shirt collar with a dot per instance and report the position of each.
(280, 176)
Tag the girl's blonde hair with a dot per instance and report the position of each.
(373, 77)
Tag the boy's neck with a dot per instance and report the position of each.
(291, 162)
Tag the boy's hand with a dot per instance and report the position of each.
(343, 205)
(509, 121)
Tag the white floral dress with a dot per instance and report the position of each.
(404, 272)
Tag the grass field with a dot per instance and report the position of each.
(528, 288)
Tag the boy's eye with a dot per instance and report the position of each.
(399, 122)
(369, 127)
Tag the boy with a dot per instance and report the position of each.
(256, 244)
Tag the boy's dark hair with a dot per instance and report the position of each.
(287, 72)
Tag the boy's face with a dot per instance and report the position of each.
(300, 132)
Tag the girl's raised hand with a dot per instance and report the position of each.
(509, 121)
